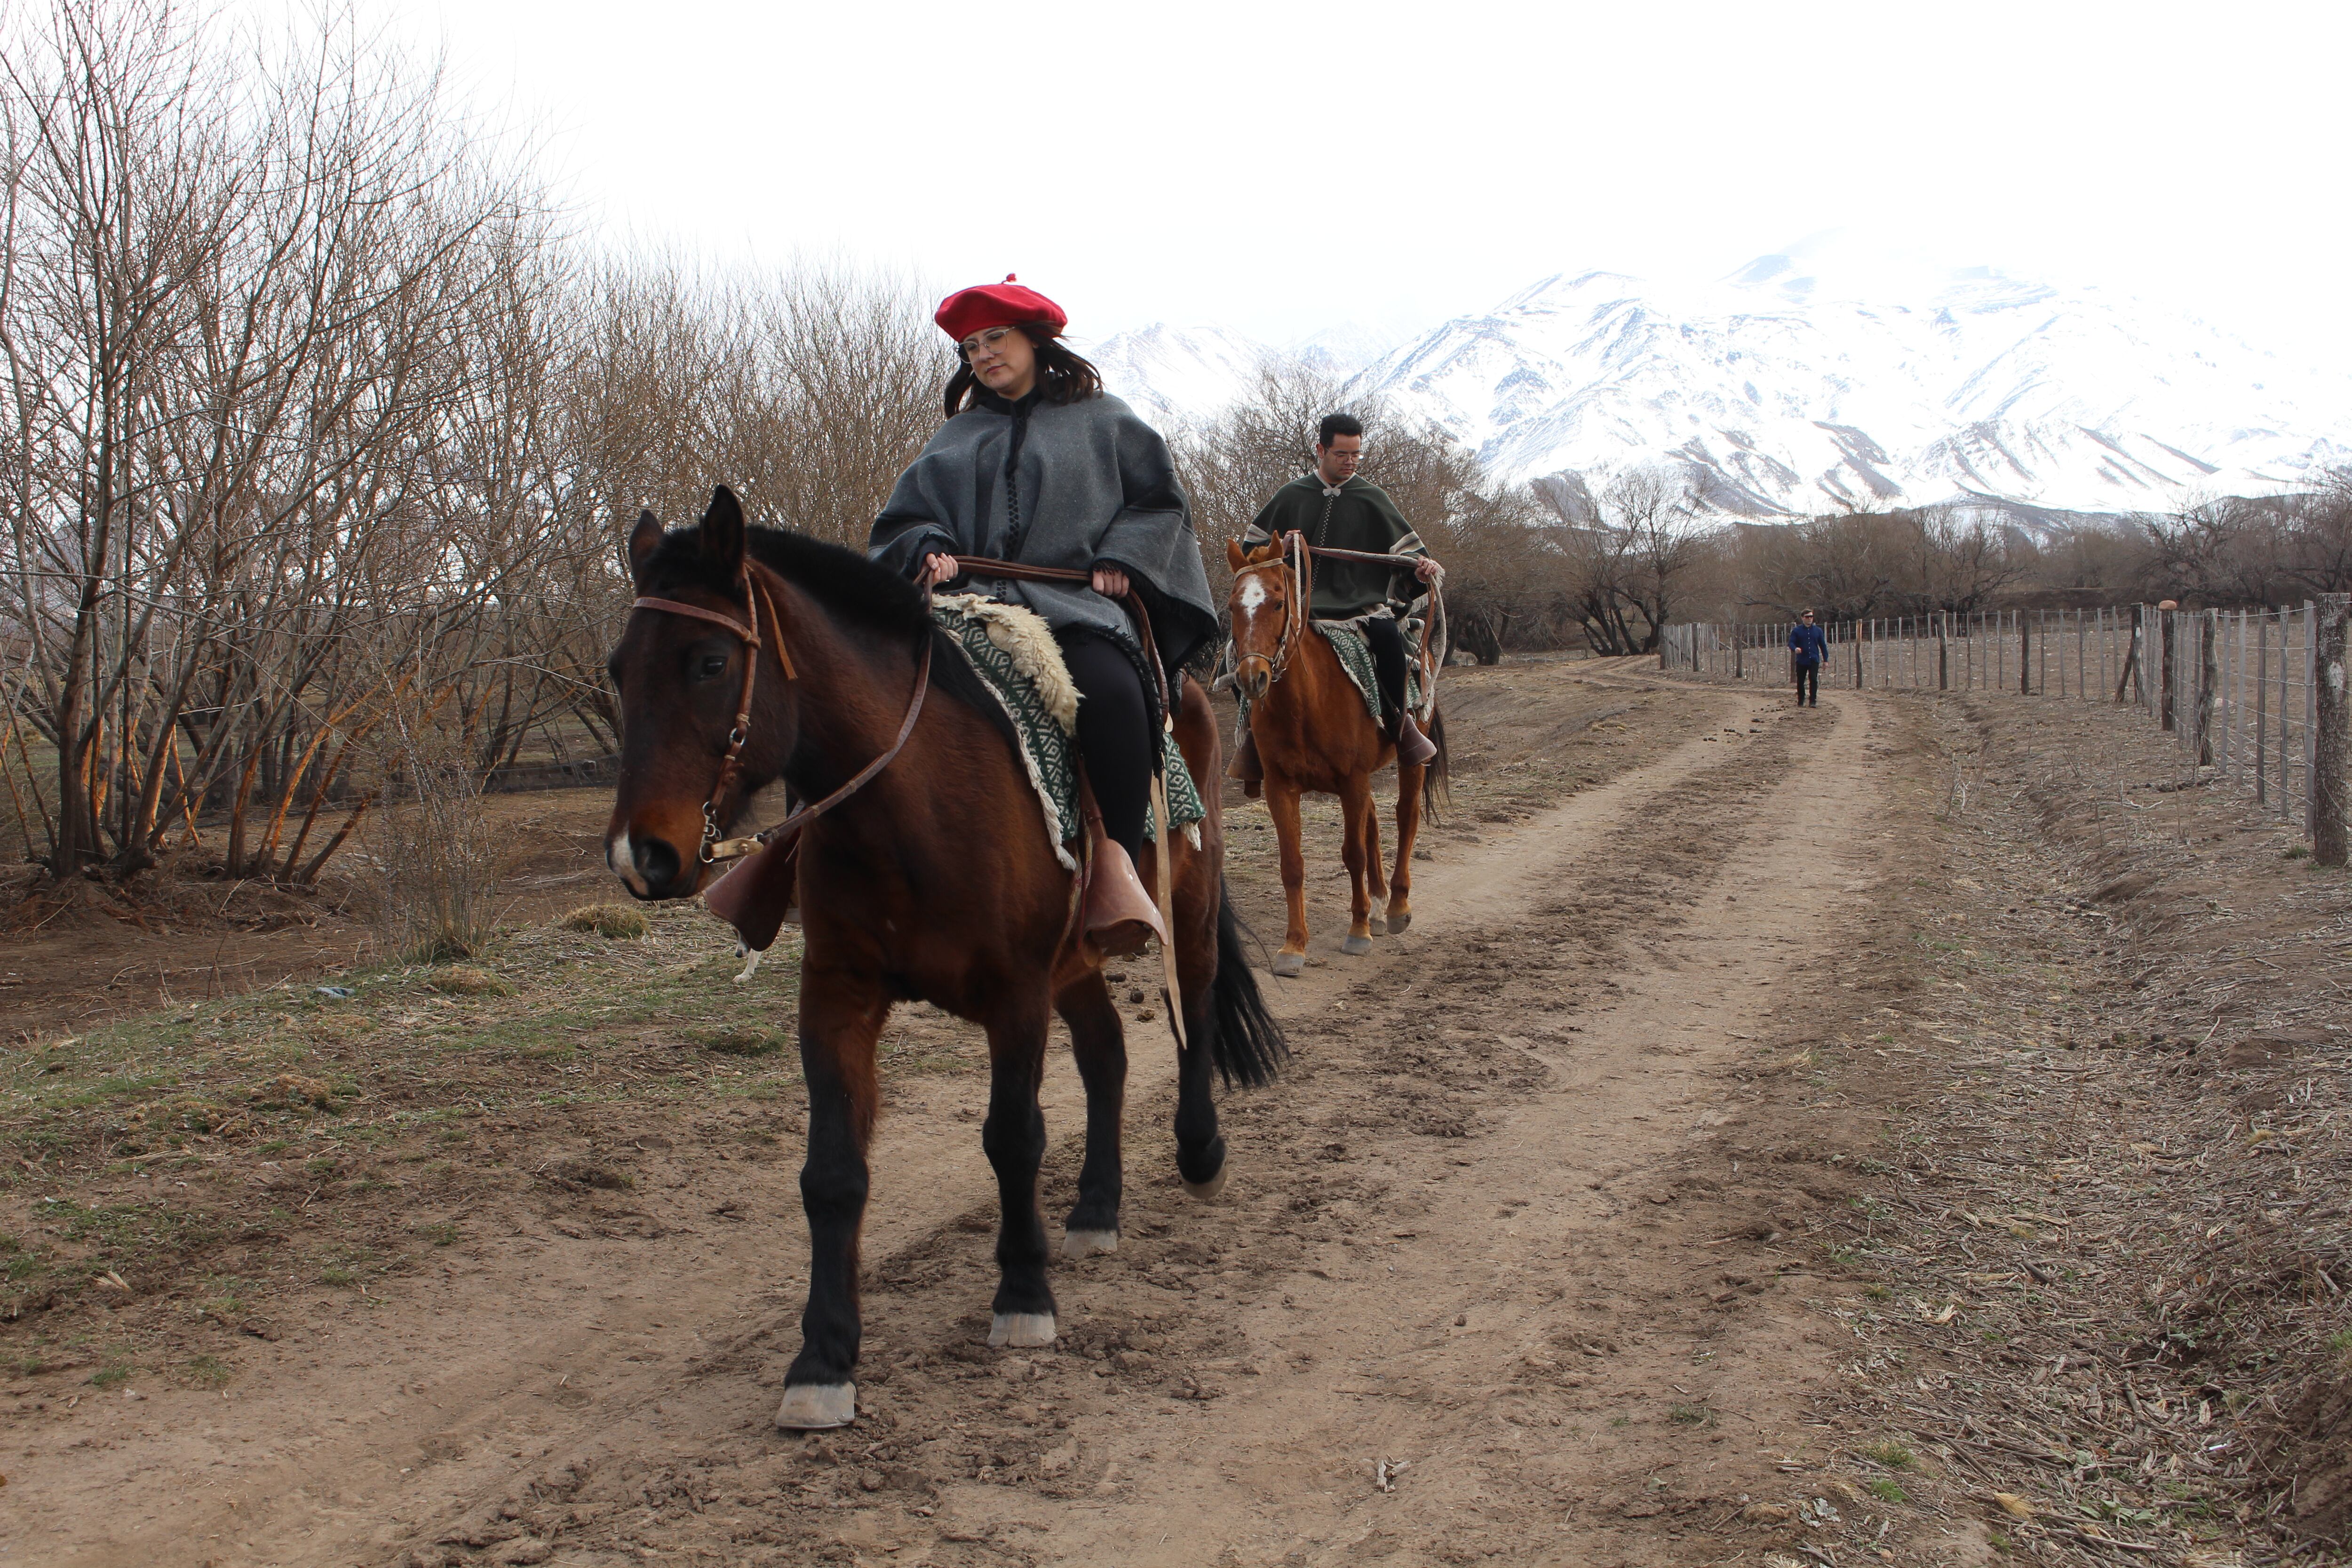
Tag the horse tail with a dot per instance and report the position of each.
(1436, 776)
(1247, 1044)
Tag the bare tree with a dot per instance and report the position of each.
(235, 303)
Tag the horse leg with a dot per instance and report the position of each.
(841, 1019)
(1409, 782)
(1282, 804)
(1014, 1137)
(1356, 810)
(1099, 1045)
(1200, 1149)
(1376, 879)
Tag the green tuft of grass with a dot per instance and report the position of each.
(116, 1371)
(339, 1276)
(618, 921)
(1891, 1455)
(1877, 1292)
(440, 1233)
(1691, 1416)
(206, 1371)
(739, 1040)
(1886, 1491)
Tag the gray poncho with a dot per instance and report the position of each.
(1076, 485)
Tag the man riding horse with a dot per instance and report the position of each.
(1336, 508)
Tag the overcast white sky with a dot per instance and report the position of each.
(1278, 166)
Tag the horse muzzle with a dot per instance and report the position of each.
(650, 867)
(1252, 673)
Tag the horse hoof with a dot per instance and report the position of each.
(1022, 1331)
(1399, 922)
(1207, 1190)
(816, 1406)
(1289, 965)
(1356, 946)
(1077, 1244)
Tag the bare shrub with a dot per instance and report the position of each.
(436, 863)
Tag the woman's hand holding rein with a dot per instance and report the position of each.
(1109, 581)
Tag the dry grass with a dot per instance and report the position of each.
(619, 921)
(2112, 1263)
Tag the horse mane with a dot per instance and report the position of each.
(861, 591)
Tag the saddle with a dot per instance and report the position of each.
(1115, 915)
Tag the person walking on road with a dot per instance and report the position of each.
(1809, 650)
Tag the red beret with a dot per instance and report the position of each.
(1006, 304)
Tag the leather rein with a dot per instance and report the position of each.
(748, 577)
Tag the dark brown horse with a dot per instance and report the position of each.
(932, 881)
(1315, 733)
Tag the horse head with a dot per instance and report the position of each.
(1263, 614)
(686, 667)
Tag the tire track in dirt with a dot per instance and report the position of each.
(1429, 1262)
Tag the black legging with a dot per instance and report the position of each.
(1387, 638)
(1114, 731)
(1808, 675)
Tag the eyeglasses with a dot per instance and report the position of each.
(987, 340)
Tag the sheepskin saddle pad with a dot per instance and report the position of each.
(1016, 658)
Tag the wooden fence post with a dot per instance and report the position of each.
(2331, 744)
(2261, 706)
(2208, 675)
(1943, 650)
(2166, 623)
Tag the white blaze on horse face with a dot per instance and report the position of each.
(1253, 594)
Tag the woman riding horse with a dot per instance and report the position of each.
(1038, 466)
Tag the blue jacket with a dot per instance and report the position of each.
(1810, 644)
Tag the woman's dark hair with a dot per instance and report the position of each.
(1061, 376)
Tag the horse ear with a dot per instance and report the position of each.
(722, 530)
(1234, 557)
(643, 541)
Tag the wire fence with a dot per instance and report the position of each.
(2238, 690)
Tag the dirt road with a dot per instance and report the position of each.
(1486, 1235)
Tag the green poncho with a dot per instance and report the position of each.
(1355, 515)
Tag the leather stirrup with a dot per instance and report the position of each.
(1246, 767)
(1413, 747)
(1120, 916)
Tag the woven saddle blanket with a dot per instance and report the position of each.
(1015, 655)
(1348, 641)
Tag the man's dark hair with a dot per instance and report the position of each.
(1335, 426)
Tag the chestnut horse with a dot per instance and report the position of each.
(933, 880)
(1315, 733)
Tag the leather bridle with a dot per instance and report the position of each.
(1294, 558)
(749, 578)
(1298, 557)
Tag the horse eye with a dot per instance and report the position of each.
(711, 666)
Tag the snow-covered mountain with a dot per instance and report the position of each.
(1171, 373)
(1813, 379)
